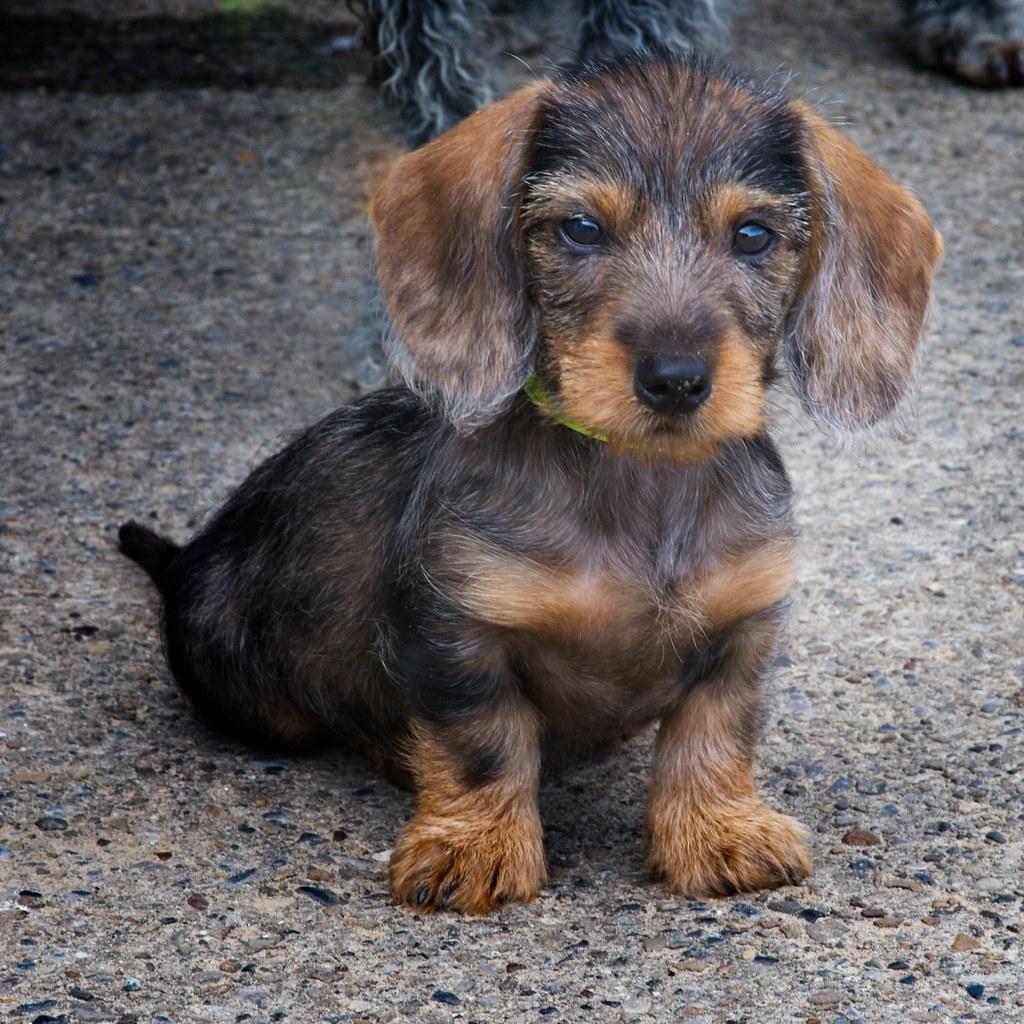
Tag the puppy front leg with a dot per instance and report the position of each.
(475, 839)
(710, 832)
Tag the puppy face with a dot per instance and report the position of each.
(666, 223)
(644, 238)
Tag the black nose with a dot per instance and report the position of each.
(672, 384)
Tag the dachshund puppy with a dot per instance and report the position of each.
(572, 521)
(427, 55)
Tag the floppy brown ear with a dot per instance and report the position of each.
(860, 311)
(449, 259)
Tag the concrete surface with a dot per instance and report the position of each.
(185, 281)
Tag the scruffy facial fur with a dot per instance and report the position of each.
(669, 159)
(452, 580)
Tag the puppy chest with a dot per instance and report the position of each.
(610, 640)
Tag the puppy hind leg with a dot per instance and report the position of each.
(615, 28)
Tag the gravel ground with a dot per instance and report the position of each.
(185, 281)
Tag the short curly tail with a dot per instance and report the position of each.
(153, 552)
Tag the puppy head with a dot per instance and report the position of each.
(646, 236)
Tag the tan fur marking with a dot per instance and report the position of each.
(565, 603)
(473, 848)
(740, 586)
(615, 206)
(729, 203)
(596, 385)
(736, 406)
(546, 600)
(710, 833)
(596, 380)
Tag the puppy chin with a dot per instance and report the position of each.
(666, 442)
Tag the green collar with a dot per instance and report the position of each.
(542, 398)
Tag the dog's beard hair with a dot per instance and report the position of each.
(428, 49)
(611, 28)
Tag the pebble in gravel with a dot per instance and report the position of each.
(785, 906)
(745, 910)
(826, 931)
(636, 1005)
(826, 998)
(43, 1004)
(871, 787)
(861, 837)
(812, 914)
(51, 824)
(323, 896)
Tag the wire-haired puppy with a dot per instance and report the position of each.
(572, 521)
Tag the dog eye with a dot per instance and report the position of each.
(751, 238)
(582, 230)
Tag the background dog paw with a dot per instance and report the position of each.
(980, 43)
(994, 62)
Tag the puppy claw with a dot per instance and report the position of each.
(439, 864)
(448, 892)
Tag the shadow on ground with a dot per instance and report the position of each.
(225, 51)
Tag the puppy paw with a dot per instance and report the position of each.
(725, 851)
(444, 864)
